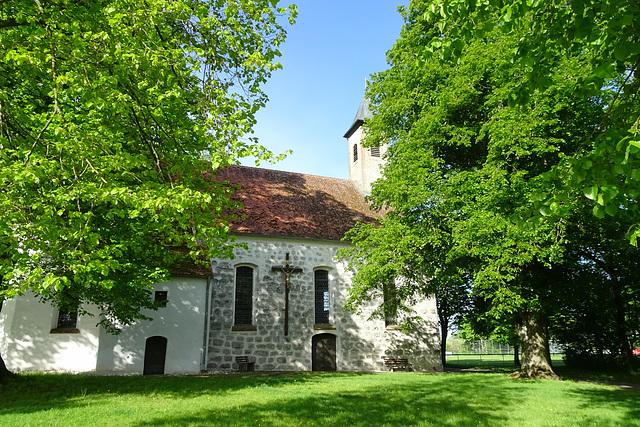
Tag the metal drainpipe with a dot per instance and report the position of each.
(207, 325)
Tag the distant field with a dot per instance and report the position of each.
(490, 360)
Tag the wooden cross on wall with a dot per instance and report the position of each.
(288, 271)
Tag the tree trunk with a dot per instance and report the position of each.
(5, 374)
(516, 355)
(444, 330)
(535, 347)
(619, 315)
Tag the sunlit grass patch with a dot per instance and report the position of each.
(305, 399)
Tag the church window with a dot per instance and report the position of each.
(390, 296)
(67, 319)
(244, 296)
(322, 302)
(161, 298)
(375, 151)
(355, 152)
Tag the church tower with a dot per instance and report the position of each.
(364, 163)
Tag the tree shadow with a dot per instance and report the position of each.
(450, 401)
(307, 398)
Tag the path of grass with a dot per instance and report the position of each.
(339, 399)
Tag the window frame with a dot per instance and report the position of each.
(61, 328)
(319, 318)
(390, 293)
(244, 326)
(161, 298)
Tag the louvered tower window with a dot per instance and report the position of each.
(375, 151)
(355, 152)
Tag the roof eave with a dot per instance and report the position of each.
(356, 124)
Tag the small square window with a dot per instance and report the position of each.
(161, 298)
(67, 319)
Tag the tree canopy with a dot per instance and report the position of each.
(482, 148)
(113, 116)
(607, 169)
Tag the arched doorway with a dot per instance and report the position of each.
(324, 352)
(155, 352)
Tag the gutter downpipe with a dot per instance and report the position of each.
(207, 326)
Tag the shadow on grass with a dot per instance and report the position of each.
(626, 401)
(432, 399)
(319, 398)
(34, 392)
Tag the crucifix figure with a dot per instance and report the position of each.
(287, 270)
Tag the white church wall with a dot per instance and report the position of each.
(360, 343)
(181, 322)
(29, 344)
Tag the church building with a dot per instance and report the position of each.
(276, 306)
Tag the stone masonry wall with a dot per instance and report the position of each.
(361, 343)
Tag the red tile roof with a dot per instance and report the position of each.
(290, 204)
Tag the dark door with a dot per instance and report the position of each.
(324, 352)
(155, 351)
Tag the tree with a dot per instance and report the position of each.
(396, 264)
(597, 307)
(465, 163)
(113, 116)
(607, 169)
(452, 290)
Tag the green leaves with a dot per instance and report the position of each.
(112, 118)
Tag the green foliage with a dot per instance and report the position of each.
(479, 153)
(597, 300)
(113, 116)
(605, 33)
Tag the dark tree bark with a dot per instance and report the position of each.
(619, 313)
(5, 374)
(516, 355)
(534, 339)
(444, 330)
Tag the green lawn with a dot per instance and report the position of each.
(491, 361)
(320, 399)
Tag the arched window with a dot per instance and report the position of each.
(322, 302)
(390, 296)
(355, 152)
(244, 296)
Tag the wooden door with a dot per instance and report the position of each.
(324, 352)
(155, 352)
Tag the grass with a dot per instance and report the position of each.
(319, 399)
(491, 361)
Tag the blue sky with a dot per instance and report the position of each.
(334, 46)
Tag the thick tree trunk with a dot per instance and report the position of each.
(5, 374)
(535, 347)
(516, 355)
